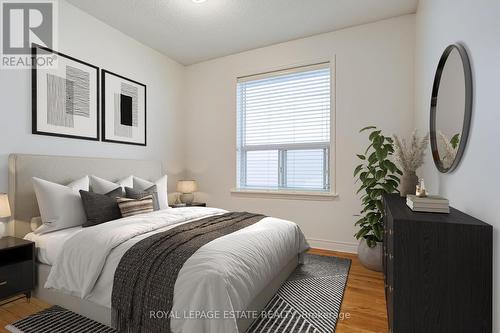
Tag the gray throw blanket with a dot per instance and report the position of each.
(145, 277)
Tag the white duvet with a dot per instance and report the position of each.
(221, 278)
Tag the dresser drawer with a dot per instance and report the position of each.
(16, 278)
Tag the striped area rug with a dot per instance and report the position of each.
(57, 320)
(309, 301)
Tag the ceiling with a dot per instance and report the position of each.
(191, 32)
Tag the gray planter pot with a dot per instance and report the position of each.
(370, 257)
(408, 183)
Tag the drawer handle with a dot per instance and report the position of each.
(390, 231)
(391, 257)
(3, 283)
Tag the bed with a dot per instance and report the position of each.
(234, 274)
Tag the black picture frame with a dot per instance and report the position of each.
(105, 72)
(468, 106)
(34, 94)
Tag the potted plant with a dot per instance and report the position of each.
(377, 175)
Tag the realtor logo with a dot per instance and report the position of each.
(23, 24)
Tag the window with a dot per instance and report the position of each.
(283, 130)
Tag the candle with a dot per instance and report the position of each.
(420, 189)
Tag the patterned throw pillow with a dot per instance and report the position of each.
(131, 207)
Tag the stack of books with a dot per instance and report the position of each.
(430, 203)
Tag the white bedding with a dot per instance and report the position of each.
(50, 244)
(223, 275)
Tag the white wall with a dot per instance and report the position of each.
(473, 187)
(374, 85)
(84, 37)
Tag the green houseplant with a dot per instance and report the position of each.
(377, 175)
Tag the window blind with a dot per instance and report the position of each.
(283, 129)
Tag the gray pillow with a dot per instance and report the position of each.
(101, 208)
(134, 193)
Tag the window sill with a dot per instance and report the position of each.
(285, 194)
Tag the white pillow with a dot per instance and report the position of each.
(103, 186)
(60, 206)
(36, 222)
(161, 187)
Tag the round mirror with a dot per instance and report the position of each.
(451, 108)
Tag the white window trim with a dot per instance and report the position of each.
(316, 195)
(285, 194)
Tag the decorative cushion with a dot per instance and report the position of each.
(60, 206)
(139, 194)
(103, 186)
(161, 187)
(131, 207)
(101, 208)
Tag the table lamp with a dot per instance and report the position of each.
(4, 211)
(187, 189)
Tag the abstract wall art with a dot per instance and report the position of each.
(123, 110)
(65, 97)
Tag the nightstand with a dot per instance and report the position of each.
(193, 204)
(17, 267)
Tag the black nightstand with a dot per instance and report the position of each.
(193, 204)
(17, 267)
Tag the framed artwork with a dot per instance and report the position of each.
(123, 110)
(65, 97)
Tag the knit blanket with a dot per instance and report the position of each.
(145, 277)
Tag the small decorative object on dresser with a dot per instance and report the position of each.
(17, 267)
(187, 189)
(410, 156)
(430, 203)
(192, 204)
(4, 211)
(420, 190)
(438, 271)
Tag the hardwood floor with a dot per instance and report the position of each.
(363, 306)
(364, 299)
(19, 309)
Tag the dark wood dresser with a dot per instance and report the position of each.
(438, 271)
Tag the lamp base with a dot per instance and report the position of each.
(187, 198)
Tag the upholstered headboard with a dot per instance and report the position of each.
(63, 170)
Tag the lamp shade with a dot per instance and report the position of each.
(187, 186)
(4, 205)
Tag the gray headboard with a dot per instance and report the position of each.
(63, 170)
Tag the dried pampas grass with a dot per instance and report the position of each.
(410, 155)
(449, 152)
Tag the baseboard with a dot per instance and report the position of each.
(333, 245)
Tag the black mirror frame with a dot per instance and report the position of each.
(467, 112)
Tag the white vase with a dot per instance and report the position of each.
(370, 257)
